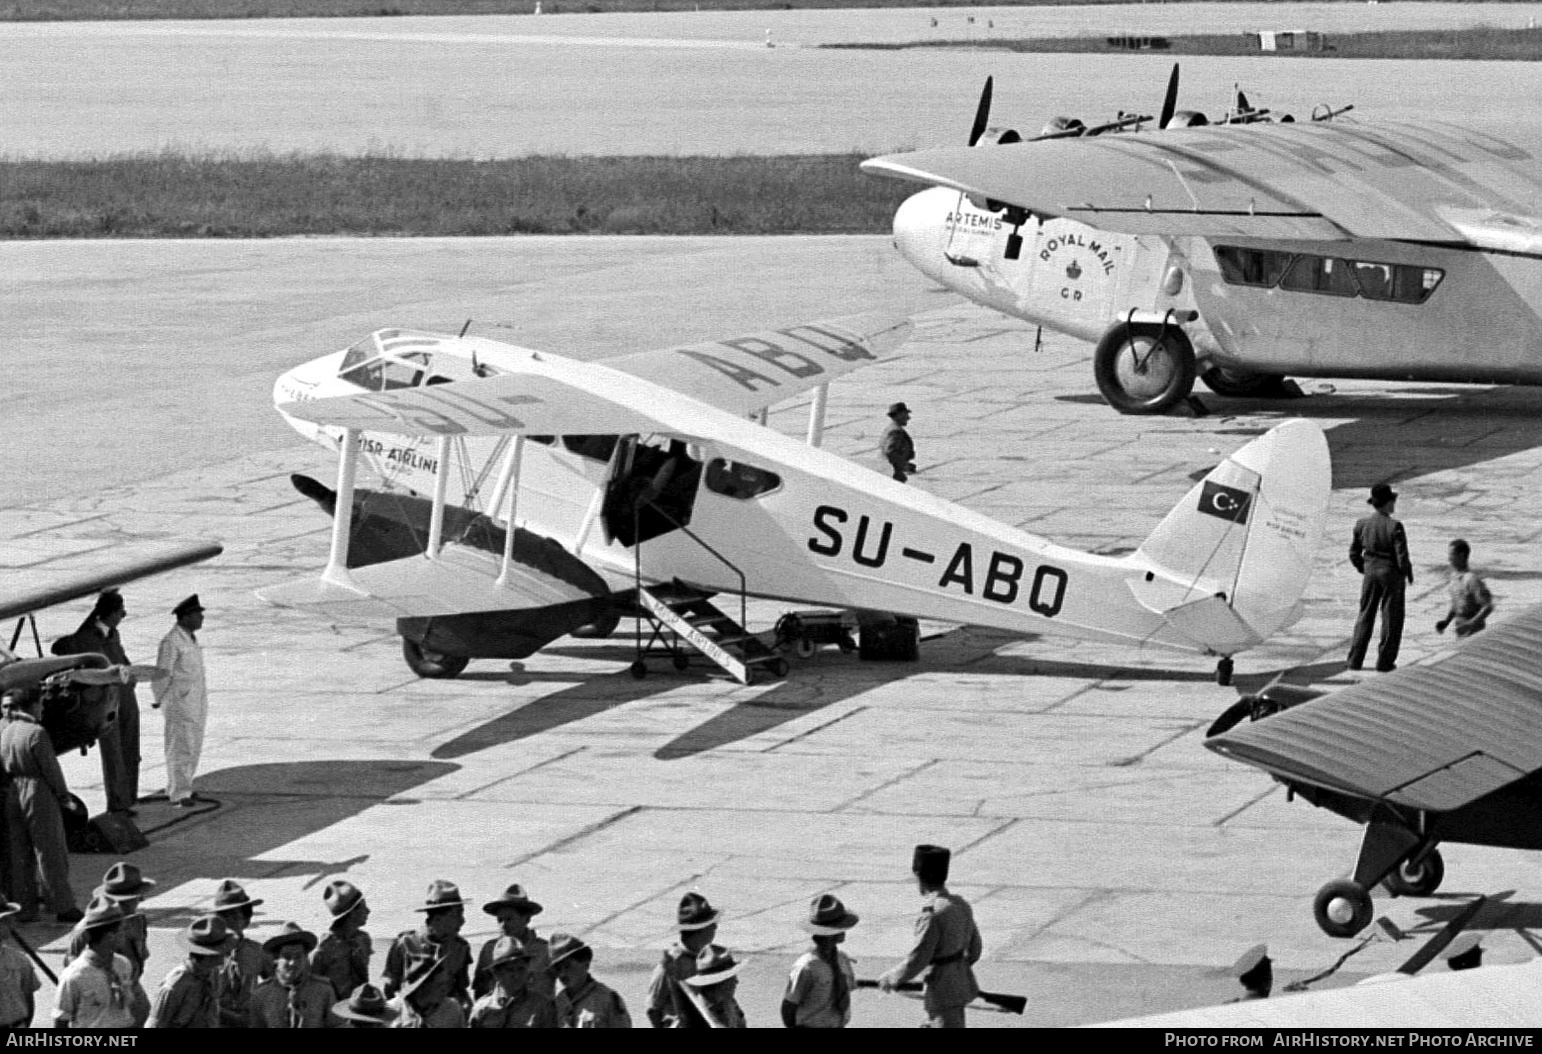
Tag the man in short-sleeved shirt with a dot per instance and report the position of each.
(816, 996)
(98, 989)
(18, 981)
(1471, 602)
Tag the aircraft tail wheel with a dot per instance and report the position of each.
(1342, 908)
(1417, 880)
(1223, 670)
(1144, 369)
(432, 664)
(806, 648)
(639, 670)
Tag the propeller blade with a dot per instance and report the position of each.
(1170, 100)
(982, 113)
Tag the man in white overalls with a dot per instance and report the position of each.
(184, 698)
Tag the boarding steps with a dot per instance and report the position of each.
(682, 614)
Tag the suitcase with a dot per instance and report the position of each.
(896, 639)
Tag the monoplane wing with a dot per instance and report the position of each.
(63, 590)
(1432, 737)
(744, 374)
(1426, 182)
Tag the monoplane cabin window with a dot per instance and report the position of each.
(735, 479)
(1320, 274)
(1256, 267)
(1328, 275)
(1400, 283)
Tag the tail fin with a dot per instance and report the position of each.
(1231, 560)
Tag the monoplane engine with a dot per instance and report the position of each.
(74, 715)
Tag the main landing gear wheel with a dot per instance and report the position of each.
(432, 664)
(1342, 908)
(1241, 384)
(681, 660)
(1144, 369)
(639, 670)
(1417, 880)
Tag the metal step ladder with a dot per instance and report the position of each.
(681, 614)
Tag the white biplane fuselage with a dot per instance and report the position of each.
(432, 413)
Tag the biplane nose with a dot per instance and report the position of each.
(921, 231)
(316, 379)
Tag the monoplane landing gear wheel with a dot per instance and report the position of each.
(638, 669)
(1240, 384)
(681, 660)
(1143, 368)
(1342, 908)
(434, 664)
(1223, 670)
(1417, 880)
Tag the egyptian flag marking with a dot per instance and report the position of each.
(1227, 503)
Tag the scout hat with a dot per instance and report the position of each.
(230, 895)
(695, 913)
(1252, 964)
(367, 1003)
(827, 916)
(929, 863)
(190, 604)
(508, 949)
(206, 935)
(715, 963)
(1465, 952)
(123, 881)
(513, 897)
(441, 894)
(1381, 494)
(897, 409)
(565, 945)
(341, 897)
(419, 974)
(103, 911)
(292, 933)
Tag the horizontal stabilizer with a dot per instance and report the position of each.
(1212, 624)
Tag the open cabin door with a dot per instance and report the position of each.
(651, 490)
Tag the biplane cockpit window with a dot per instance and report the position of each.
(595, 448)
(1260, 267)
(385, 372)
(735, 479)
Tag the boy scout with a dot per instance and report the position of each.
(668, 1006)
(514, 1002)
(583, 1001)
(715, 982)
(514, 910)
(189, 997)
(819, 989)
(292, 998)
(438, 940)
(18, 981)
(127, 885)
(342, 957)
(947, 944)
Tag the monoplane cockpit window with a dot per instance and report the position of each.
(1320, 274)
(1260, 267)
(735, 479)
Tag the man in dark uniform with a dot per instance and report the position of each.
(947, 944)
(1255, 972)
(34, 810)
(119, 744)
(669, 1006)
(1379, 551)
(896, 445)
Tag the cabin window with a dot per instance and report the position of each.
(1257, 267)
(1320, 274)
(1401, 283)
(595, 448)
(735, 479)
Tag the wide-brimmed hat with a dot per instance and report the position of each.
(695, 913)
(366, 1003)
(564, 945)
(103, 911)
(441, 894)
(231, 894)
(206, 935)
(341, 897)
(123, 881)
(827, 916)
(897, 409)
(715, 963)
(419, 973)
(1251, 960)
(513, 897)
(292, 933)
(930, 863)
(1465, 952)
(1381, 493)
(508, 949)
(190, 604)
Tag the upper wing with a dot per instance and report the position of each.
(62, 591)
(1430, 181)
(744, 374)
(1430, 737)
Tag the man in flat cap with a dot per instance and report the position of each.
(896, 446)
(514, 909)
(292, 998)
(947, 944)
(437, 940)
(248, 963)
(189, 997)
(342, 957)
(127, 885)
(1255, 972)
(583, 1001)
(119, 743)
(514, 1001)
(1379, 551)
(819, 989)
(668, 1005)
(184, 697)
(98, 989)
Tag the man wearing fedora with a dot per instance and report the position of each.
(583, 1001)
(18, 980)
(947, 944)
(514, 1000)
(668, 1004)
(119, 743)
(125, 884)
(35, 805)
(1379, 551)
(819, 989)
(189, 997)
(714, 985)
(291, 998)
(184, 697)
(342, 957)
(427, 998)
(365, 1007)
(98, 989)
(514, 909)
(248, 963)
(437, 940)
(896, 446)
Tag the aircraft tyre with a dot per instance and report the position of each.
(639, 670)
(1240, 384)
(1417, 880)
(1144, 369)
(1342, 908)
(435, 665)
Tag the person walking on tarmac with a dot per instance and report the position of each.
(669, 1006)
(1379, 551)
(119, 743)
(947, 944)
(184, 696)
(35, 805)
(896, 445)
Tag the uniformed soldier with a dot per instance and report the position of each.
(947, 944)
(514, 909)
(1379, 551)
(291, 998)
(514, 1001)
(583, 1002)
(189, 997)
(248, 964)
(668, 1006)
(342, 957)
(35, 806)
(127, 885)
(366, 1007)
(1255, 972)
(715, 983)
(1464, 953)
(896, 446)
(819, 988)
(438, 940)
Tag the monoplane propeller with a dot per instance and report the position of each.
(1170, 100)
(982, 112)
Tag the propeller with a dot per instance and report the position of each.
(1170, 100)
(982, 112)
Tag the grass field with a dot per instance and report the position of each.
(264, 196)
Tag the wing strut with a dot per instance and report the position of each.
(816, 416)
(342, 517)
(441, 493)
(509, 480)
